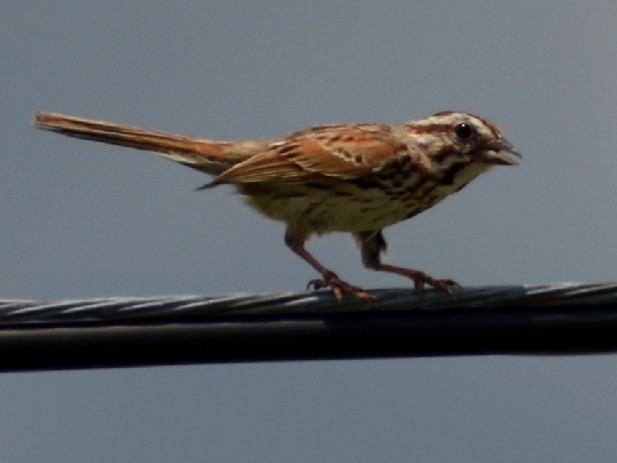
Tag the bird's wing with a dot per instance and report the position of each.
(342, 151)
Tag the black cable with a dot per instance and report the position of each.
(124, 332)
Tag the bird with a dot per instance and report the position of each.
(356, 178)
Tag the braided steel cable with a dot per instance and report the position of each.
(131, 331)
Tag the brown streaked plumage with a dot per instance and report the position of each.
(356, 178)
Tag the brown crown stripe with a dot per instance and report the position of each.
(427, 128)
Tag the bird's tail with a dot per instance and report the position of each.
(210, 156)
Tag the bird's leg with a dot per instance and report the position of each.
(328, 277)
(373, 244)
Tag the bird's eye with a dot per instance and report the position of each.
(463, 131)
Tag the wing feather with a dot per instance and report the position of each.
(343, 151)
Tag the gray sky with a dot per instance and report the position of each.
(86, 220)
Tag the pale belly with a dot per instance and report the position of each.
(327, 206)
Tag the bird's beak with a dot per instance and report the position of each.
(496, 153)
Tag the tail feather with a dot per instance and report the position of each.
(210, 156)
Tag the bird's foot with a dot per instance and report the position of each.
(421, 279)
(339, 287)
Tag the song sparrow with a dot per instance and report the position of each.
(356, 178)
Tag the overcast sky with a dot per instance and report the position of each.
(87, 220)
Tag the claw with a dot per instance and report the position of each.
(339, 287)
(444, 285)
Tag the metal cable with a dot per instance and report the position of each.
(562, 318)
(164, 309)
